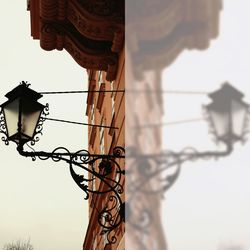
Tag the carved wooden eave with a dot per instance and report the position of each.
(91, 31)
(172, 26)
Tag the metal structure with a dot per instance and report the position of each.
(21, 121)
(153, 175)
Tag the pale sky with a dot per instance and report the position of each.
(39, 200)
(209, 205)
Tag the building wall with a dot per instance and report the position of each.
(105, 109)
(145, 111)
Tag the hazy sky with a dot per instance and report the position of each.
(39, 200)
(209, 205)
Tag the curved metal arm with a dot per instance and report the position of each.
(154, 175)
(104, 169)
(147, 167)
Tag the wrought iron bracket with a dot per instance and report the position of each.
(152, 176)
(103, 170)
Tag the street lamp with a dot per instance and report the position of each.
(21, 113)
(228, 114)
(21, 121)
(155, 174)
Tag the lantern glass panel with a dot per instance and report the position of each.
(221, 122)
(11, 117)
(31, 112)
(239, 112)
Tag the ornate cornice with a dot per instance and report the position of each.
(97, 20)
(91, 31)
(171, 27)
(96, 28)
(110, 9)
(87, 53)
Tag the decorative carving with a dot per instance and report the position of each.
(85, 26)
(62, 10)
(104, 62)
(48, 10)
(172, 26)
(108, 25)
(91, 31)
(113, 9)
(103, 29)
(106, 9)
(87, 53)
(48, 36)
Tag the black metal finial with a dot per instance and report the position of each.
(25, 83)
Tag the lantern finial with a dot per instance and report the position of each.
(25, 83)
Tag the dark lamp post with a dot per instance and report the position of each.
(22, 113)
(228, 114)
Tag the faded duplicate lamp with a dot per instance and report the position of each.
(228, 114)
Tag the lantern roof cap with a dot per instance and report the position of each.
(23, 90)
(226, 92)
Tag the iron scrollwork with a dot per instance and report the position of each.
(104, 168)
(39, 127)
(3, 129)
(153, 175)
(109, 173)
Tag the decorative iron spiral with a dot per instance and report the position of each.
(39, 127)
(3, 129)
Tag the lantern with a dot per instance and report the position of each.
(22, 113)
(228, 114)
